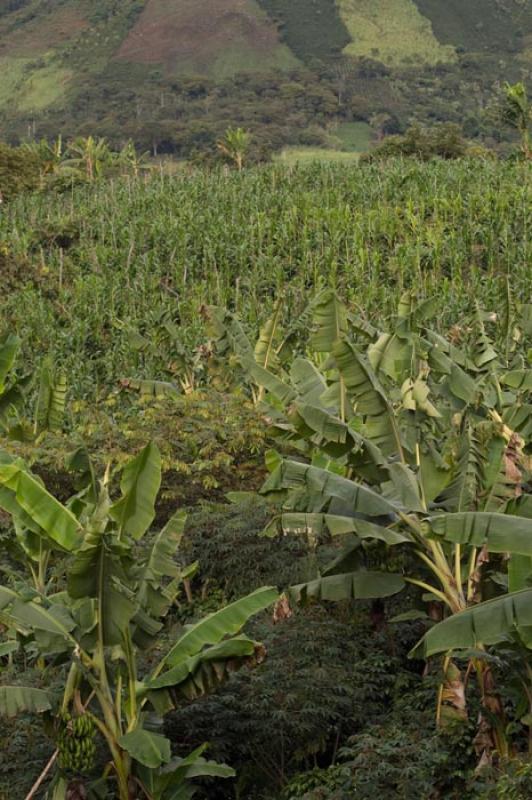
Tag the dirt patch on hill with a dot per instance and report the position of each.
(40, 34)
(198, 31)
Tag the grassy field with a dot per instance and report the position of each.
(94, 265)
(354, 136)
(310, 155)
(392, 31)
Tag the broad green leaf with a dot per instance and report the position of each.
(6, 648)
(519, 572)
(56, 521)
(215, 627)
(309, 383)
(337, 438)
(392, 355)
(152, 389)
(9, 347)
(361, 383)
(265, 348)
(405, 487)
(316, 525)
(368, 397)
(484, 624)
(52, 618)
(267, 380)
(149, 749)
(500, 533)
(97, 572)
(238, 647)
(330, 322)
(154, 593)
(141, 480)
(362, 585)
(520, 379)
(322, 485)
(16, 699)
(462, 385)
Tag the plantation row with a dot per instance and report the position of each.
(110, 280)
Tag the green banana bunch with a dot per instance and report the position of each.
(76, 742)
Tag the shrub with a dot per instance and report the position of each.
(19, 171)
(444, 141)
(323, 679)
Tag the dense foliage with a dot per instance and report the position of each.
(177, 342)
(112, 278)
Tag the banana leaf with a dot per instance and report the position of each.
(330, 322)
(360, 585)
(322, 485)
(520, 379)
(9, 347)
(56, 521)
(316, 525)
(500, 533)
(17, 699)
(217, 626)
(484, 624)
(140, 484)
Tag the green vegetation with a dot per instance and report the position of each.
(112, 278)
(172, 77)
(312, 378)
(391, 31)
(311, 30)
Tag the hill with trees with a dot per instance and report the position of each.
(173, 74)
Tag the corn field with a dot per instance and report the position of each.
(102, 268)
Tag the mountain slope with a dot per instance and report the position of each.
(205, 37)
(108, 65)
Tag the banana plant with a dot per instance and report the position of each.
(119, 585)
(50, 405)
(11, 391)
(405, 438)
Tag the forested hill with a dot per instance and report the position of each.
(173, 73)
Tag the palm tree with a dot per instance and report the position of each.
(234, 146)
(517, 113)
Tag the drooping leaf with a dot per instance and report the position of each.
(313, 526)
(485, 624)
(267, 380)
(499, 533)
(368, 397)
(309, 383)
(361, 585)
(17, 699)
(325, 485)
(215, 627)
(265, 348)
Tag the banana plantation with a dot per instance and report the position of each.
(266, 483)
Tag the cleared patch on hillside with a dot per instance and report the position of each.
(31, 89)
(480, 24)
(311, 28)
(391, 31)
(206, 37)
(23, 37)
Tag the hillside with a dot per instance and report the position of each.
(172, 74)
